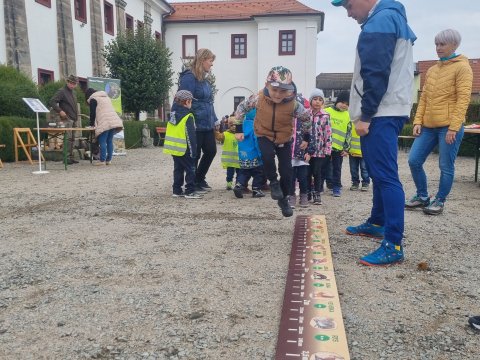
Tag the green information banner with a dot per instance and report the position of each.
(111, 87)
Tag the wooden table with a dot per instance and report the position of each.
(53, 133)
(474, 138)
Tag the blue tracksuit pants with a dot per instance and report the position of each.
(380, 151)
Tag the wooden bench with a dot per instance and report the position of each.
(161, 131)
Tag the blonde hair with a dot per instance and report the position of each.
(197, 63)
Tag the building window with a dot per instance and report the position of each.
(47, 3)
(81, 10)
(129, 22)
(237, 100)
(158, 36)
(108, 18)
(286, 43)
(44, 76)
(189, 46)
(239, 46)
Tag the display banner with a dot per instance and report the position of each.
(111, 87)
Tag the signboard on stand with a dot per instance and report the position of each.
(37, 107)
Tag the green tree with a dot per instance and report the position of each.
(144, 67)
(15, 85)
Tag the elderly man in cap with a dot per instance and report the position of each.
(380, 104)
(64, 102)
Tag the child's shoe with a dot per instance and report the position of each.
(317, 199)
(365, 187)
(229, 185)
(257, 193)
(238, 191)
(367, 229)
(285, 207)
(416, 202)
(386, 254)
(193, 195)
(474, 322)
(275, 190)
(354, 187)
(303, 200)
(336, 192)
(176, 195)
(434, 208)
(292, 201)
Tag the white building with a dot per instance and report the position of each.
(248, 37)
(53, 39)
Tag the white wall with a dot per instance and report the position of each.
(242, 77)
(233, 77)
(302, 64)
(3, 45)
(42, 38)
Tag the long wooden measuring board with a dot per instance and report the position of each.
(311, 327)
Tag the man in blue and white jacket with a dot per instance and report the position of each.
(380, 104)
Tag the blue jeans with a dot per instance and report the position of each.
(337, 161)
(380, 151)
(105, 141)
(422, 147)
(355, 163)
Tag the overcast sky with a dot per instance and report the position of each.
(336, 44)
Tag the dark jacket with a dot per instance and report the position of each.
(202, 106)
(177, 114)
(66, 100)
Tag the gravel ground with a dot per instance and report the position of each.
(102, 263)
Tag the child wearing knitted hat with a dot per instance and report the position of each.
(276, 108)
(321, 143)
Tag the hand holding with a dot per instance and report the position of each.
(303, 145)
(239, 136)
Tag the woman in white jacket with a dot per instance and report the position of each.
(106, 121)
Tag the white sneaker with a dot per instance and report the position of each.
(193, 195)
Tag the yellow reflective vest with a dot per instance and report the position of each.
(355, 148)
(176, 137)
(339, 121)
(230, 151)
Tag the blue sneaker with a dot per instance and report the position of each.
(386, 254)
(337, 192)
(367, 229)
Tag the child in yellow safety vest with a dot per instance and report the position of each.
(181, 143)
(356, 162)
(341, 136)
(229, 157)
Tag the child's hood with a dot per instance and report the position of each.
(177, 114)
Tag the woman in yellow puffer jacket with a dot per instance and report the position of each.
(439, 120)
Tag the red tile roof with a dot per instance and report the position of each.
(423, 66)
(236, 10)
